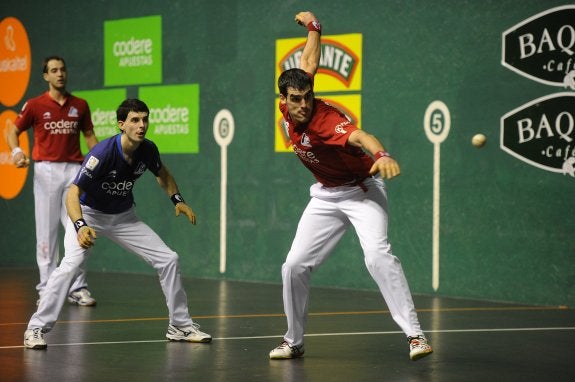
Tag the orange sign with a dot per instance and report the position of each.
(15, 59)
(13, 178)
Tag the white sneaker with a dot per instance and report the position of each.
(81, 297)
(187, 333)
(285, 351)
(418, 347)
(34, 339)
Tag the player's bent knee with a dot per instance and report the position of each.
(70, 266)
(167, 260)
(380, 257)
(171, 258)
(294, 269)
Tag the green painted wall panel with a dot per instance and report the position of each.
(506, 227)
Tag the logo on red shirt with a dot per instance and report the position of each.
(339, 127)
(305, 141)
(73, 112)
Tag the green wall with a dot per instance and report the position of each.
(506, 227)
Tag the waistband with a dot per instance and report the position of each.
(55, 161)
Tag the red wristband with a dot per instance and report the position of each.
(381, 154)
(314, 26)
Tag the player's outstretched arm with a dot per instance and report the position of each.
(86, 235)
(311, 54)
(168, 184)
(384, 164)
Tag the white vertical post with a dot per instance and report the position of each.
(436, 193)
(223, 208)
(223, 133)
(436, 123)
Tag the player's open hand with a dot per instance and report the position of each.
(86, 237)
(386, 166)
(304, 18)
(186, 210)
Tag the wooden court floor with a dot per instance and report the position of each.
(350, 336)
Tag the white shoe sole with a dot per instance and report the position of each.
(184, 339)
(35, 347)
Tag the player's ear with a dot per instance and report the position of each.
(282, 99)
(120, 125)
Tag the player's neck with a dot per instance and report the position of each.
(58, 95)
(128, 146)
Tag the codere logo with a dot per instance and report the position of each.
(62, 127)
(118, 188)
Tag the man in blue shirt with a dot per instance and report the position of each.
(100, 202)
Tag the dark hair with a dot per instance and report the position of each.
(293, 78)
(48, 59)
(131, 104)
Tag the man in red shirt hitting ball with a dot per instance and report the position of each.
(349, 191)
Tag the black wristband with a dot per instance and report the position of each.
(79, 224)
(177, 198)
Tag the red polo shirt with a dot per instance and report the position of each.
(56, 127)
(322, 146)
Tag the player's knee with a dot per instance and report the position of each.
(379, 253)
(381, 260)
(66, 271)
(294, 269)
(70, 265)
(168, 260)
(381, 247)
(172, 258)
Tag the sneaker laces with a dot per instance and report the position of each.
(417, 341)
(293, 349)
(185, 329)
(283, 345)
(37, 333)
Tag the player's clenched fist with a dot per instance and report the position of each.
(186, 210)
(20, 160)
(304, 18)
(86, 237)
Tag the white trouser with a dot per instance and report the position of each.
(132, 234)
(322, 224)
(51, 183)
